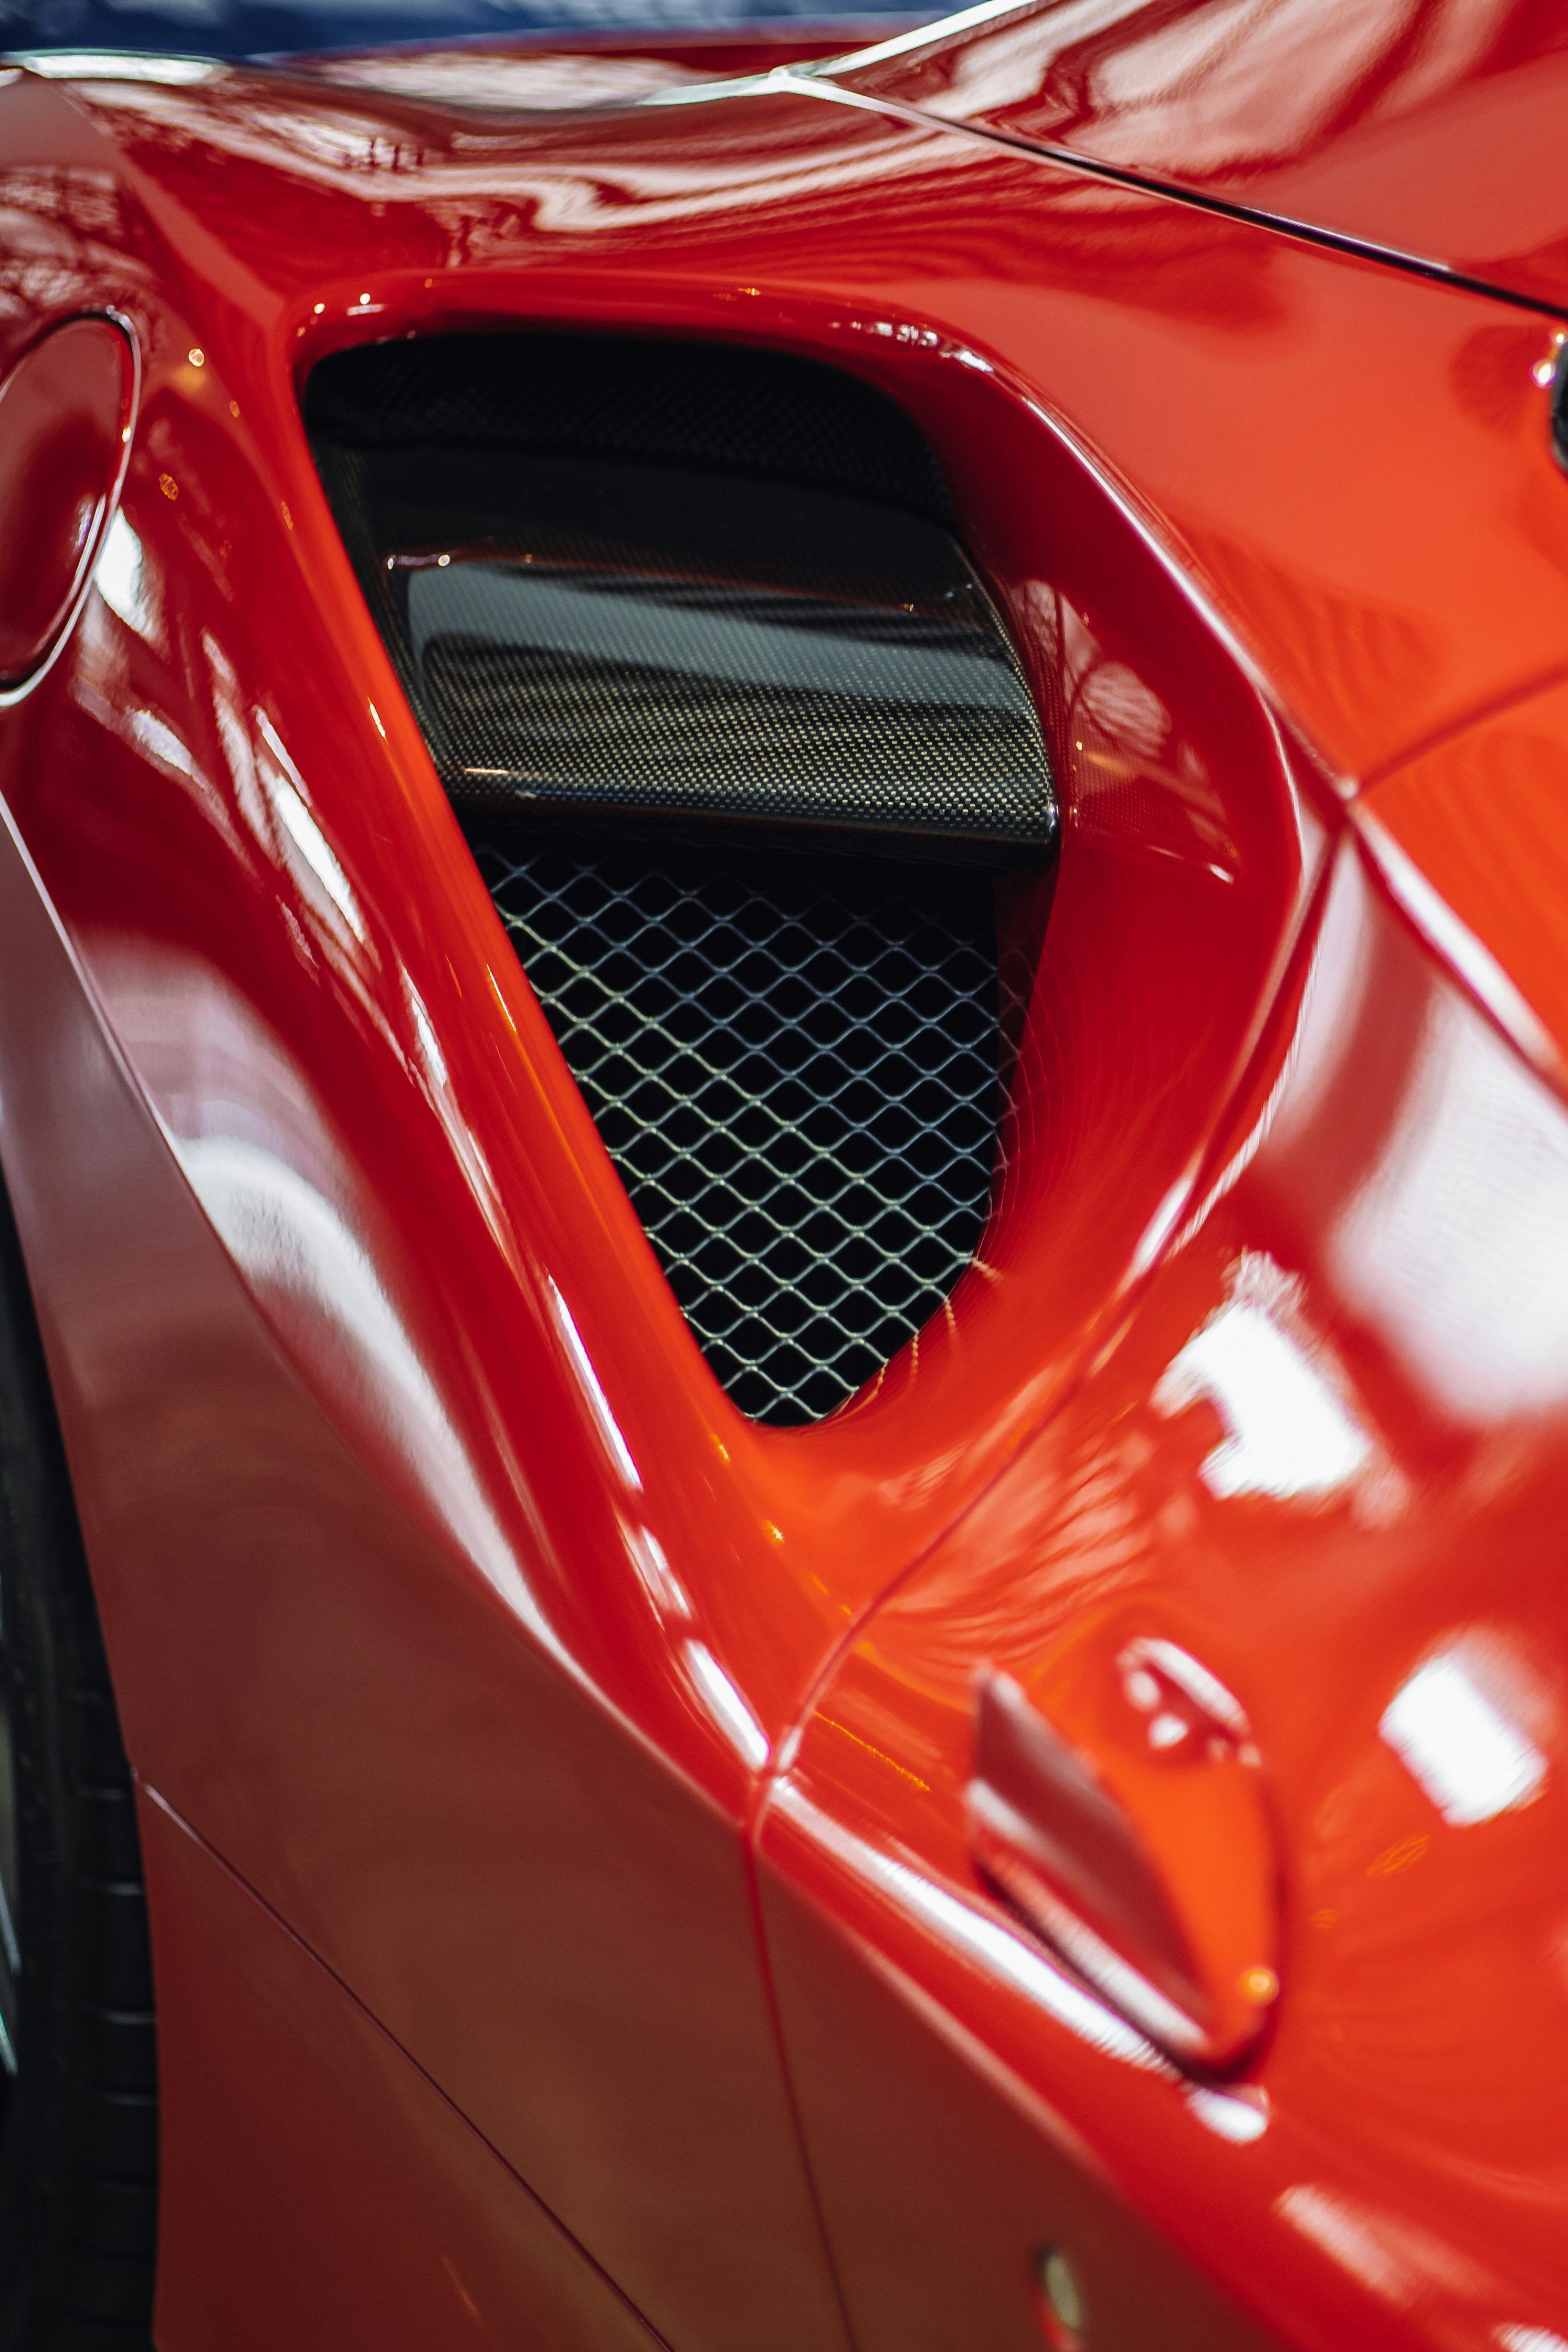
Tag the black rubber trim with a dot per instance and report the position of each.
(78, 2138)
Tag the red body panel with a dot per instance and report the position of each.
(1432, 131)
(379, 1728)
(356, 2208)
(449, 1601)
(1392, 2164)
(1471, 834)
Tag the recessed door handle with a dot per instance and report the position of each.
(1119, 1807)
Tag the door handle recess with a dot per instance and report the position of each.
(1125, 1818)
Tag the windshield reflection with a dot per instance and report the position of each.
(280, 28)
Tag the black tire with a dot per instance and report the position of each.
(79, 2119)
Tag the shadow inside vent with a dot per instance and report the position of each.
(792, 1061)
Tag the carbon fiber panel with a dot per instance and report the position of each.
(585, 634)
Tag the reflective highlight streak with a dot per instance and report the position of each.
(120, 579)
(116, 64)
(1348, 2237)
(327, 1298)
(922, 36)
(981, 1941)
(306, 833)
(1468, 1757)
(604, 1420)
(1476, 964)
(727, 1706)
(1240, 2121)
(1289, 1435)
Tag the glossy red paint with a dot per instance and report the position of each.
(1328, 1447)
(1430, 131)
(449, 1600)
(354, 2205)
(1470, 837)
(64, 423)
(944, 2179)
(603, 69)
(330, 1658)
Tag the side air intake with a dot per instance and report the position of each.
(738, 740)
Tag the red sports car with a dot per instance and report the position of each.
(784, 1277)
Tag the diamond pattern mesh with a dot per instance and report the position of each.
(793, 1064)
(720, 406)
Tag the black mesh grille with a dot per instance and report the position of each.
(765, 415)
(794, 1068)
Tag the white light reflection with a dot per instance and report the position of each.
(1200, 94)
(285, 790)
(1458, 1745)
(944, 28)
(434, 1060)
(542, 83)
(120, 578)
(1349, 2238)
(1455, 1244)
(268, 1175)
(568, 199)
(1289, 1435)
(1163, 1224)
(1459, 946)
(1004, 68)
(1529, 2339)
(727, 1706)
(598, 1402)
(116, 64)
(987, 1944)
(157, 741)
(1398, 2259)
(1239, 2120)
(654, 1573)
(316, 1280)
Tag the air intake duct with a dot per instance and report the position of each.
(708, 676)
(586, 630)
